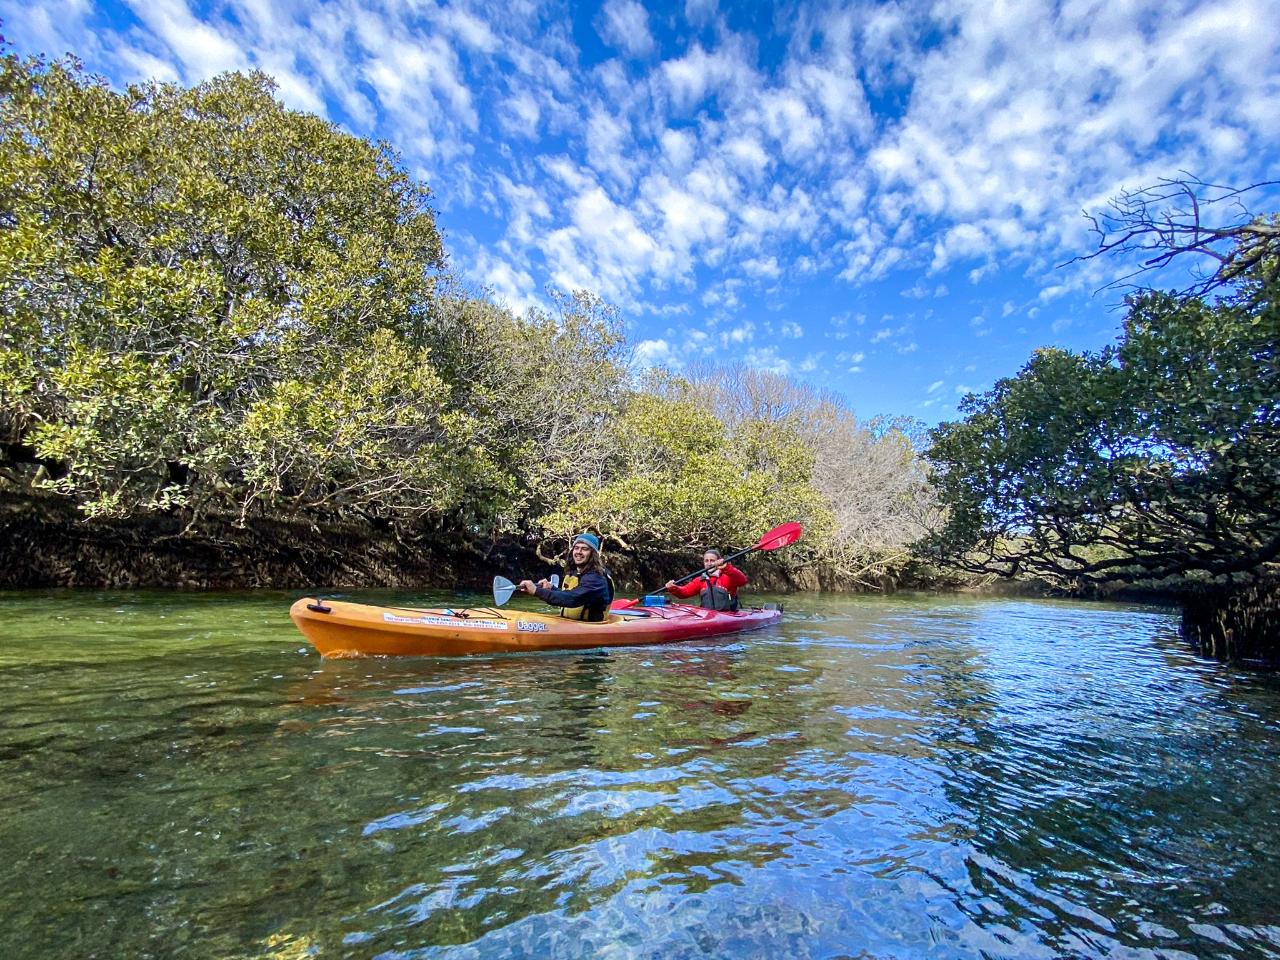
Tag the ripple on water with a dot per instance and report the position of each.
(880, 777)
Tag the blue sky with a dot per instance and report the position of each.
(874, 198)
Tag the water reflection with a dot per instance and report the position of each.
(882, 778)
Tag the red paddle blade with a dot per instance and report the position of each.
(782, 536)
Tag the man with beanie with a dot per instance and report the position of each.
(587, 589)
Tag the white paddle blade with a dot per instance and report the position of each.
(502, 590)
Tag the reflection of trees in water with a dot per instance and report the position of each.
(402, 803)
(511, 787)
(516, 788)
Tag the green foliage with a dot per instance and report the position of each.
(209, 302)
(324, 440)
(119, 416)
(561, 381)
(1152, 459)
(179, 262)
(679, 477)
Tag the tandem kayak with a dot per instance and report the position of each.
(339, 629)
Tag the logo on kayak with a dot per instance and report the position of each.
(446, 622)
(531, 626)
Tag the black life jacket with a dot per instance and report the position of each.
(715, 597)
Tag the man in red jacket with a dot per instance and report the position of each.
(717, 585)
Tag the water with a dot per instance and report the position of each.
(878, 777)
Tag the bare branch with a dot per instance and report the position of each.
(1177, 217)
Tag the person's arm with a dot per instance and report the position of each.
(692, 588)
(590, 587)
(735, 577)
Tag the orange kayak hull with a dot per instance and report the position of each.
(339, 629)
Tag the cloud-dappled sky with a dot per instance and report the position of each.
(874, 197)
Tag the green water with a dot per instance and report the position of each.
(180, 776)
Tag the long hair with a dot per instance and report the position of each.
(593, 565)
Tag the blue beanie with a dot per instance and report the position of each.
(590, 539)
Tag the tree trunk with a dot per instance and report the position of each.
(1236, 626)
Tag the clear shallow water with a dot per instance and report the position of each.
(180, 776)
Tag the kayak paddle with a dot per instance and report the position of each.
(782, 535)
(504, 588)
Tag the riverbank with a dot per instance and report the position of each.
(44, 542)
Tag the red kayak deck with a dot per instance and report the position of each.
(340, 629)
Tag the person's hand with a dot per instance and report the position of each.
(669, 585)
(528, 587)
(544, 582)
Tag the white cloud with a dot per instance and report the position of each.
(762, 267)
(746, 155)
(54, 27)
(520, 114)
(787, 120)
(469, 29)
(202, 49)
(512, 287)
(935, 386)
(698, 75)
(840, 97)
(964, 240)
(608, 146)
(625, 24)
(679, 147)
(605, 248)
(688, 219)
(528, 211)
(766, 358)
(656, 353)
(751, 171)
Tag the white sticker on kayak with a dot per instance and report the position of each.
(446, 622)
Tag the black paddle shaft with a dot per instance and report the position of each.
(780, 536)
(700, 572)
(723, 560)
